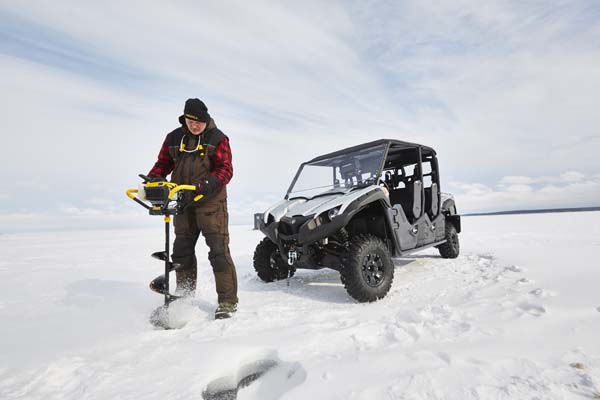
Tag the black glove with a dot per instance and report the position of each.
(207, 186)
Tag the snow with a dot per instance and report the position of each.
(516, 316)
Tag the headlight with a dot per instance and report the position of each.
(313, 223)
(331, 214)
(323, 218)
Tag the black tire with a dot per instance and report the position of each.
(268, 263)
(367, 270)
(451, 248)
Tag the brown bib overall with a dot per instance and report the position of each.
(208, 217)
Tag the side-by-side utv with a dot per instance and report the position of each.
(355, 209)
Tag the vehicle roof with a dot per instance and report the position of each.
(394, 146)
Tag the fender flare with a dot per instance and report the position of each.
(450, 213)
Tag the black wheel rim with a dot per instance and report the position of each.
(373, 270)
(273, 260)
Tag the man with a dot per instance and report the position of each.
(198, 153)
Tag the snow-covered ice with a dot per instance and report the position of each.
(516, 316)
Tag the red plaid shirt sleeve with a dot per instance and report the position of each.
(165, 164)
(222, 167)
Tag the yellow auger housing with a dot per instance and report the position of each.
(164, 197)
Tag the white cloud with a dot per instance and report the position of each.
(101, 202)
(572, 176)
(543, 192)
(516, 180)
(70, 219)
(517, 81)
(564, 178)
(518, 189)
(499, 89)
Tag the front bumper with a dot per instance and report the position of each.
(302, 230)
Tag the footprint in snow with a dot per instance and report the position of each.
(261, 379)
(514, 268)
(532, 309)
(524, 281)
(403, 334)
(542, 293)
(484, 262)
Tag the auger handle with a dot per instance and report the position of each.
(131, 194)
(179, 188)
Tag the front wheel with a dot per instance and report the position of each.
(367, 269)
(451, 248)
(268, 263)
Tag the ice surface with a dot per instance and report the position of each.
(505, 320)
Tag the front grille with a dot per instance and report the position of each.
(291, 225)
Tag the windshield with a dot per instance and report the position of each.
(339, 174)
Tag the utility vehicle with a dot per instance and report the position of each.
(356, 209)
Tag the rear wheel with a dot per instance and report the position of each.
(367, 270)
(268, 263)
(451, 248)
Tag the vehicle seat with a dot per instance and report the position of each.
(404, 198)
(431, 202)
(417, 199)
(428, 200)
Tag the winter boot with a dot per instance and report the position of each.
(225, 310)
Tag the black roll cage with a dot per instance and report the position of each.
(392, 154)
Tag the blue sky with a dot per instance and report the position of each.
(507, 92)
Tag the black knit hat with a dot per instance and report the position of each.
(195, 110)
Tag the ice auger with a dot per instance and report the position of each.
(166, 199)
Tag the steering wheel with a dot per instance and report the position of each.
(381, 182)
